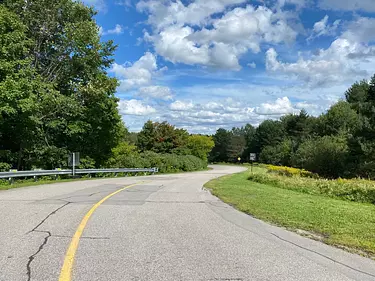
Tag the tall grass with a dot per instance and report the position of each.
(357, 190)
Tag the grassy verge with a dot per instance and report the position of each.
(341, 223)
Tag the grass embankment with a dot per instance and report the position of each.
(338, 222)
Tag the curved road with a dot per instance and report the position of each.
(165, 227)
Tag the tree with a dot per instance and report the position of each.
(66, 100)
(339, 119)
(278, 155)
(269, 133)
(236, 147)
(200, 146)
(221, 139)
(361, 143)
(161, 137)
(325, 156)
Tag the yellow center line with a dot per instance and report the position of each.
(66, 270)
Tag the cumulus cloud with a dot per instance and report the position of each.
(135, 107)
(117, 30)
(136, 75)
(342, 61)
(280, 107)
(322, 28)
(191, 35)
(181, 106)
(348, 5)
(166, 13)
(252, 65)
(156, 92)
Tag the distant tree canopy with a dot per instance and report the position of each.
(338, 143)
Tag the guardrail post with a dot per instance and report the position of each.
(11, 180)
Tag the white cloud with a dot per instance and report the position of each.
(280, 107)
(156, 92)
(348, 5)
(166, 13)
(118, 29)
(181, 106)
(217, 42)
(252, 65)
(361, 30)
(313, 72)
(125, 3)
(322, 28)
(298, 3)
(136, 75)
(349, 58)
(135, 107)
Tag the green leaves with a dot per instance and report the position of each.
(55, 95)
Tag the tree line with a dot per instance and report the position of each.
(338, 143)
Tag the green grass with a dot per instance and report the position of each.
(340, 223)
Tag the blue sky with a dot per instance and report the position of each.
(206, 64)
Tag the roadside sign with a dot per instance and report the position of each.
(74, 159)
(253, 157)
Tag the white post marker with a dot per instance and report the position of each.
(74, 164)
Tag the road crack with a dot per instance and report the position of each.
(47, 217)
(45, 241)
(32, 257)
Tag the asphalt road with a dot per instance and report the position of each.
(168, 228)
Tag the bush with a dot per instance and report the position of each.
(325, 156)
(4, 167)
(166, 163)
(357, 190)
(288, 171)
(86, 163)
(277, 154)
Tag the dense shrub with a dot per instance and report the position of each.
(325, 156)
(357, 190)
(289, 171)
(166, 163)
(4, 167)
(277, 154)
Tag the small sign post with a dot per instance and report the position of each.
(74, 161)
(253, 158)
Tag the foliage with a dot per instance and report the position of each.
(200, 146)
(4, 167)
(279, 154)
(340, 119)
(220, 151)
(86, 163)
(289, 171)
(357, 190)
(55, 95)
(161, 137)
(166, 163)
(325, 156)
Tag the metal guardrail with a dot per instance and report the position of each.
(39, 173)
